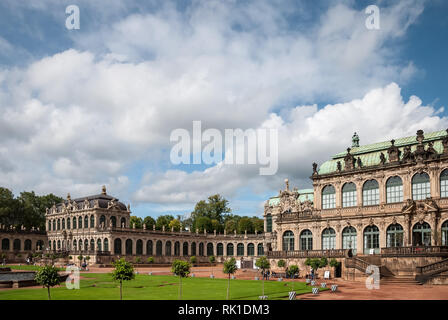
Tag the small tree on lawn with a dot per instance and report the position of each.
(212, 260)
(123, 271)
(292, 271)
(193, 260)
(281, 263)
(80, 259)
(138, 260)
(181, 269)
(150, 260)
(334, 263)
(88, 259)
(263, 264)
(229, 269)
(48, 277)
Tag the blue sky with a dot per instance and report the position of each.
(83, 108)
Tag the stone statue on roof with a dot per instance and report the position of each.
(355, 140)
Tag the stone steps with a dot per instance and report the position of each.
(399, 281)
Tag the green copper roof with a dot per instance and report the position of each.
(370, 154)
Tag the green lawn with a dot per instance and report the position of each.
(26, 267)
(99, 286)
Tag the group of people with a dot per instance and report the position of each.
(266, 274)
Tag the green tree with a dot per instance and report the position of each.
(229, 269)
(263, 264)
(203, 223)
(175, 225)
(164, 220)
(214, 209)
(258, 224)
(281, 263)
(149, 222)
(150, 260)
(48, 277)
(245, 223)
(138, 222)
(80, 259)
(123, 271)
(231, 225)
(293, 270)
(212, 260)
(193, 260)
(181, 269)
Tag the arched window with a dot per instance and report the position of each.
(421, 234)
(86, 222)
(74, 223)
(240, 249)
(260, 249)
(395, 235)
(49, 225)
(250, 249)
(117, 246)
(445, 233)
(103, 221)
(39, 245)
(371, 239)
(328, 239)
(92, 244)
(59, 224)
(209, 249)
(113, 219)
(63, 224)
(220, 249)
(306, 240)
(230, 249)
(268, 222)
(5, 244)
(16, 245)
(149, 247)
(98, 244)
(371, 193)
(79, 222)
(75, 245)
(349, 238)
(420, 186)
(185, 249)
(106, 244)
(444, 184)
(394, 190)
(54, 225)
(68, 223)
(177, 248)
(27, 245)
(139, 247)
(168, 248)
(328, 197)
(288, 241)
(158, 248)
(193, 249)
(86, 245)
(349, 195)
(92, 221)
(201, 249)
(129, 246)
(123, 222)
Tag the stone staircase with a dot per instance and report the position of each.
(399, 281)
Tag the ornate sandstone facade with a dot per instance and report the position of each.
(387, 199)
(98, 226)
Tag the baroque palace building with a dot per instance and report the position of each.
(384, 203)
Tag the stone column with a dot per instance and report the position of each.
(360, 240)
(382, 186)
(123, 246)
(382, 237)
(338, 195)
(434, 179)
(407, 187)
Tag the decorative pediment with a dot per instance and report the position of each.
(113, 204)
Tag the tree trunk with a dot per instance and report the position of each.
(263, 285)
(180, 288)
(48, 291)
(121, 289)
(228, 287)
